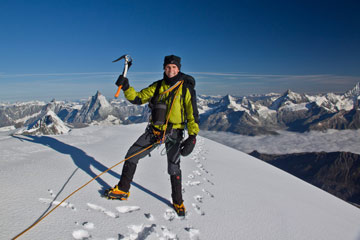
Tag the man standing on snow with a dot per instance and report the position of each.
(169, 100)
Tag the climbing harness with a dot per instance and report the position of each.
(158, 106)
(171, 107)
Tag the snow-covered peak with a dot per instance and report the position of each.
(96, 108)
(101, 99)
(353, 93)
(245, 101)
(226, 100)
(48, 124)
(288, 98)
(293, 96)
(230, 102)
(332, 102)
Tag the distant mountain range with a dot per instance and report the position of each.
(250, 115)
(96, 110)
(254, 115)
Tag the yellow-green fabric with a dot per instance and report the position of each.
(177, 113)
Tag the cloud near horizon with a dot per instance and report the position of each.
(290, 142)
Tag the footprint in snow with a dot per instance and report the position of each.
(52, 202)
(127, 209)
(81, 234)
(200, 166)
(198, 209)
(208, 193)
(141, 231)
(51, 192)
(207, 180)
(169, 214)
(118, 237)
(198, 198)
(103, 210)
(149, 216)
(88, 225)
(167, 234)
(193, 233)
(191, 176)
(194, 183)
(197, 172)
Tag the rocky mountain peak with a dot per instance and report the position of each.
(245, 101)
(98, 98)
(48, 124)
(295, 97)
(229, 102)
(96, 108)
(227, 99)
(286, 97)
(353, 93)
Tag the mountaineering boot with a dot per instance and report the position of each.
(180, 209)
(116, 193)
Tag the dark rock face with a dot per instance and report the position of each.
(337, 172)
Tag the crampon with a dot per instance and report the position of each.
(116, 193)
(180, 209)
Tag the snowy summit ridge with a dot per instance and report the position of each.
(228, 194)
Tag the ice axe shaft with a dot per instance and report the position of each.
(118, 91)
(128, 62)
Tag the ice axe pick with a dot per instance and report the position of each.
(128, 62)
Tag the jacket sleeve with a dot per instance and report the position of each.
(140, 97)
(192, 112)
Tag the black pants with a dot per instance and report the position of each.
(172, 145)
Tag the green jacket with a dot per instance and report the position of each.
(178, 117)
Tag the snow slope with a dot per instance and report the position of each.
(228, 194)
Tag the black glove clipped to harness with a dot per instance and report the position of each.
(188, 145)
(124, 82)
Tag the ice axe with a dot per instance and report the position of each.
(128, 62)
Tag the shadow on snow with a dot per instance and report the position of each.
(84, 162)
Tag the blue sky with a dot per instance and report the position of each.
(64, 49)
